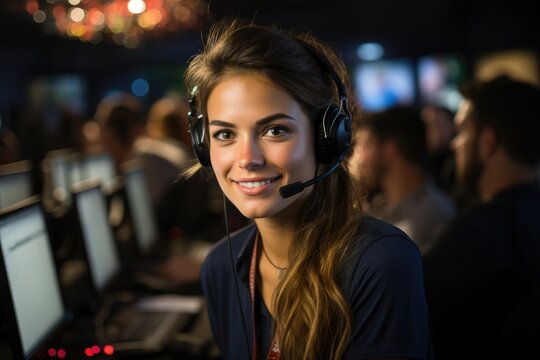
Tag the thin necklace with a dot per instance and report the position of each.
(280, 270)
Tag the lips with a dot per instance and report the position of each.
(255, 186)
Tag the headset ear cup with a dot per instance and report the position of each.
(344, 134)
(322, 139)
(333, 136)
(199, 144)
(197, 131)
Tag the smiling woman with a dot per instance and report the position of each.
(270, 110)
(259, 145)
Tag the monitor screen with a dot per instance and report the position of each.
(76, 171)
(15, 187)
(65, 169)
(67, 91)
(439, 78)
(100, 166)
(31, 275)
(98, 237)
(385, 83)
(141, 209)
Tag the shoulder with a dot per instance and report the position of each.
(483, 221)
(443, 201)
(217, 272)
(238, 240)
(218, 257)
(384, 289)
(378, 237)
(381, 249)
(436, 202)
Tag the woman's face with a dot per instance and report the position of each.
(260, 140)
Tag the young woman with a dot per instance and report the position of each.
(316, 279)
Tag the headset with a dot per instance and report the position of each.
(333, 129)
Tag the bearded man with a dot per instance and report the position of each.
(482, 278)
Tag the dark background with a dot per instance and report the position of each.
(406, 29)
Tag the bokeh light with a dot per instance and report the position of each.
(123, 22)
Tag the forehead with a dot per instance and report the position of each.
(251, 88)
(251, 100)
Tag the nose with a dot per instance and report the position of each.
(250, 154)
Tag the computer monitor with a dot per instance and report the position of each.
(439, 78)
(100, 166)
(140, 207)
(28, 279)
(15, 183)
(99, 243)
(385, 83)
(59, 175)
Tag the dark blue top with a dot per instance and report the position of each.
(483, 279)
(382, 282)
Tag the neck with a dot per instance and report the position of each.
(276, 237)
(401, 181)
(502, 175)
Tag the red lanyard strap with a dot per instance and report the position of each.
(273, 352)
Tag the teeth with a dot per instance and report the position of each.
(254, 184)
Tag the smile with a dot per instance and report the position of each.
(254, 186)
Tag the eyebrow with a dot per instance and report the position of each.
(260, 122)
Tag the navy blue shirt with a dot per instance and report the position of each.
(483, 279)
(382, 282)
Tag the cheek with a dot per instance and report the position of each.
(463, 150)
(459, 143)
(221, 160)
(298, 152)
(355, 159)
(369, 158)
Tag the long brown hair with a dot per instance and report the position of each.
(312, 317)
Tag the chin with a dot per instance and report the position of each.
(263, 209)
(257, 212)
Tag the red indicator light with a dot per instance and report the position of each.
(96, 349)
(108, 349)
(51, 352)
(61, 353)
(88, 352)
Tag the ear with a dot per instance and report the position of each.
(487, 143)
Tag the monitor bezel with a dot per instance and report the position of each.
(131, 168)
(16, 168)
(14, 335)
(77, 191)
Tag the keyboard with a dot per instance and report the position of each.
(143, 325)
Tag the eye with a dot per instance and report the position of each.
(223, 135)
(276, 131)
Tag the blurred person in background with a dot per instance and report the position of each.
(389, 160)
(68, 133)
(122, 120)
(440, 130)
(482, 278)
(183, 205)
(160, 147)
(167, 120)
(123, 132)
